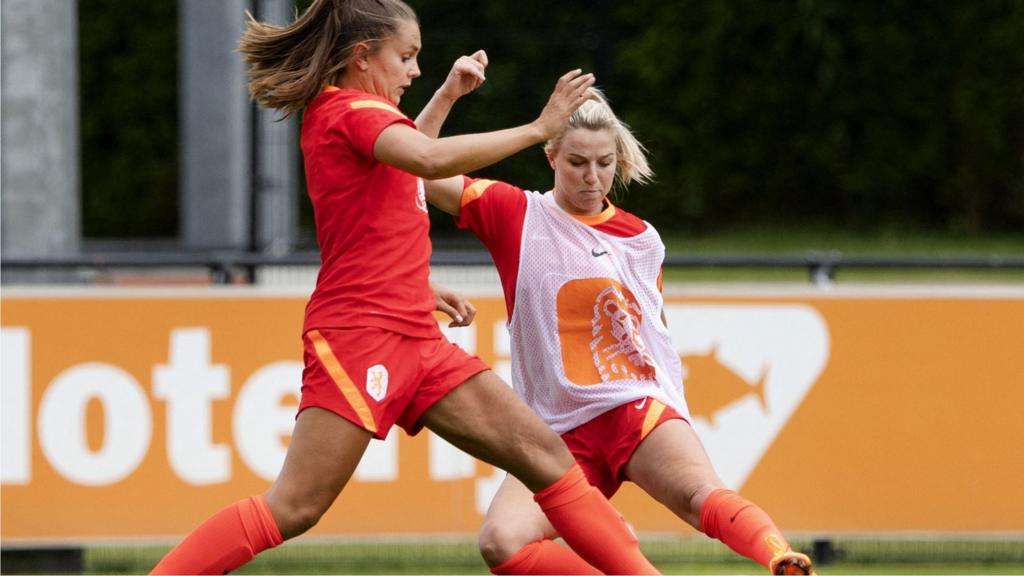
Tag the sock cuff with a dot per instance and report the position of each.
(570, 487)
(260, 526)
(709, 510)
(521, 562)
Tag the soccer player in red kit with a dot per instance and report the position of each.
(374, 355)
(591, 351)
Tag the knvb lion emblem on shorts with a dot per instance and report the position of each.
(377, 382)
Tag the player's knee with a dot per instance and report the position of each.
(499, 541)
(294, 519)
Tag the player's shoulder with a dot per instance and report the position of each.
(624, 223)
(491, 190)
(343, 100)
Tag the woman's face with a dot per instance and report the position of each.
(584, 165)
(393, 65)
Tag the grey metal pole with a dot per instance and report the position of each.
(216, 127)
(275, 156)
(40, 177)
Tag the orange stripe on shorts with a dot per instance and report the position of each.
(341, 380)
(653, 413)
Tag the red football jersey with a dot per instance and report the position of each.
(371, 221)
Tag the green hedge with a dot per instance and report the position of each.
(861, 115)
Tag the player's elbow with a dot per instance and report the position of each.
(435, 162)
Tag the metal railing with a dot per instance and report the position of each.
(235, 267)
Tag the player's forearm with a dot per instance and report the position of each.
(455, 155)
(433, 115)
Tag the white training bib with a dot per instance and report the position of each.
(586, 330)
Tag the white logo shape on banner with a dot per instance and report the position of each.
(746, 369)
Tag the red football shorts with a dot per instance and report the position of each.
(375, 378)
(604, 445)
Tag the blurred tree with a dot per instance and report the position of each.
(530, 43)
(861, 114)
(864, 115)
(129, 100)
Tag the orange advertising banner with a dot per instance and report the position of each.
(136, 414)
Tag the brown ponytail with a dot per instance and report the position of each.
(289, 65)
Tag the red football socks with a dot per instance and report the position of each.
(742, 526)
(589, 524)
(544, 557)
(225, 541)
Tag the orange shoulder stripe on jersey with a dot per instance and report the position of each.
(357, 104)
(653, 413)
(475, 190)
(342, 380)
(596, 219)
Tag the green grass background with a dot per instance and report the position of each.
(689, 555)
(889, 243)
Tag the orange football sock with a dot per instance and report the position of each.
(544, 557)
(225, 541)
(742, 526)
(589, 524)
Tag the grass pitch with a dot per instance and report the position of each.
(691, 555)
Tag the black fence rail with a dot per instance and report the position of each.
(240, 267)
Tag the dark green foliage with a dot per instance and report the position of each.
(129, 98)
(856, 114)
(530, 43)
(859, 115)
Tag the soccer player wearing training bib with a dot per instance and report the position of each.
(591, 353)
(374, 355)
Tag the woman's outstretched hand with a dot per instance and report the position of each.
(569, 94)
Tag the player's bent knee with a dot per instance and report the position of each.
(498, 542)
(293, 520)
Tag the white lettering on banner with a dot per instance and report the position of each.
(380, 461)
(62, 424)
(261, 420)
(750, 348)
(15, 403)
(189, 383)
(502, 352)
(445, 461)
(486, 488)
(464, 336)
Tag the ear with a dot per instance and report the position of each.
(551, 158)
(360, 56)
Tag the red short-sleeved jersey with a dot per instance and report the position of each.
(371, 221)
(495, 212)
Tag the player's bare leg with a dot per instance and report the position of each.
(513, 521)
(517, 538)
(672, 466)
(322, 455)
(486, 419)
